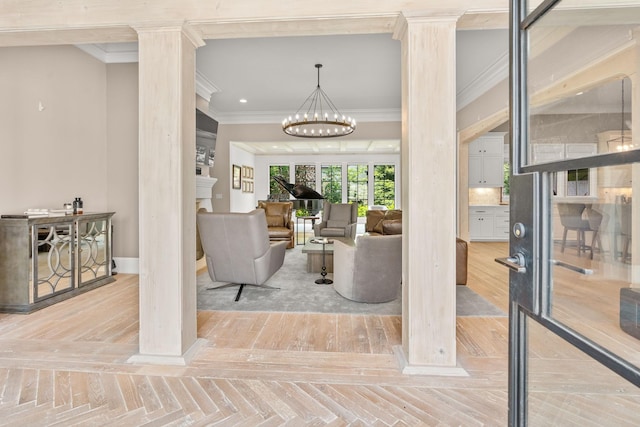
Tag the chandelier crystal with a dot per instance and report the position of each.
(318, 117)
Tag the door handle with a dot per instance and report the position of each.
(515, 263)
(586, 271)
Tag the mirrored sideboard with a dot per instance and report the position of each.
(44, 260)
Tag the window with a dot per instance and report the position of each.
(573, 183)
(331, 183)
(275, 191)
(384, 185)
(306, 175)
(578, 182)
(357, 185)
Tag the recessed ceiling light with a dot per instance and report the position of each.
(243, 101)
(579, 93)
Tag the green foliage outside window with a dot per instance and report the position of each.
(275, 190)
(505, 184)
(384, 185)
(331, 182)
(358, 182)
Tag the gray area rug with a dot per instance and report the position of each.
(299, 293)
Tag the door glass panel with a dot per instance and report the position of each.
(568, 388)
(579, 93)
(596, 233)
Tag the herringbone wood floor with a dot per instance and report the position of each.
(67, 365)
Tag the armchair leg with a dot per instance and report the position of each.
(239, 292)
(242, 285)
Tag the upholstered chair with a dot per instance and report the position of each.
(279, 221)
(338, 220)
(571, 219)
(237, 248)
(369, 271)
(625, 229)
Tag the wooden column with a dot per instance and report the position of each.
(167, 195)
(429, 193)
(463, 189)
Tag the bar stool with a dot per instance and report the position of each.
(571, 220)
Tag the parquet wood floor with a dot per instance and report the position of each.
(67, 365)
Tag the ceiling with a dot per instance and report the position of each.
(360, 73)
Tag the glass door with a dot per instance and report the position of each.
(575, 214)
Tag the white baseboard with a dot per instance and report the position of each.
(127, 265)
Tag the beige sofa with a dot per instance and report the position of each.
(384, 223)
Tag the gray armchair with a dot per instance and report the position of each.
(338, 220)
(237, 248)
(370, 271)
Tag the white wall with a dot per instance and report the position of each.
(239, 201)
(53, 131)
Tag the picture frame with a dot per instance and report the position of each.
(202, 153)
(247, 172)
(235, 177)
(247, 186)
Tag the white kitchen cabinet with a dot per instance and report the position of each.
(480, 226)
(486, 161)
(501, 226)
(489, 223)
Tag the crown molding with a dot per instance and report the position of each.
(259, 117)
(204, 87)
(100, 52)
(494, 74)
(128, 53)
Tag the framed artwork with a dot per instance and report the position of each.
(201, 155)
(247, 186)
(247, 172)
(235, 177)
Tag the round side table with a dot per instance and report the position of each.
(323, 273)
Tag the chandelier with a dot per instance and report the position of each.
(619, 143)
(318, 117)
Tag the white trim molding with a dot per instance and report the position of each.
(112, 53)
(127, 265)
(494, 74)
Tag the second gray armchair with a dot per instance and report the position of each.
(338, 220)
(369, 271)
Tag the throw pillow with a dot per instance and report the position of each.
(373, 218)
(332, 223)
(392, 226)
(393, 214)
(275, 221)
